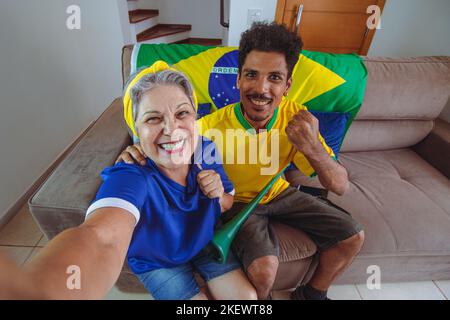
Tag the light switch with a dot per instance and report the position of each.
(254, 15)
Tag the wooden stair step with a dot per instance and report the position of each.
(162, 30)
(141, 15)
(202, 41)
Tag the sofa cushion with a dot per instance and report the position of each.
(370, 135)
(435, 148)
(402, 201)
(61, 202)
(126, 66)
(405, 88)
(403, 96)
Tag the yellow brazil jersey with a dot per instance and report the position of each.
(249, 159)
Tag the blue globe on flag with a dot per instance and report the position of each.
(222, 81)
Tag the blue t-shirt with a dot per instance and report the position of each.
(174, 223)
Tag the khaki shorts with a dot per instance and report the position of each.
(325, 223)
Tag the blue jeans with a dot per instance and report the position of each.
(179, 283)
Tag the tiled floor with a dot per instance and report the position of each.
(21, 239)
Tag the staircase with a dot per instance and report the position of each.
(145, 28)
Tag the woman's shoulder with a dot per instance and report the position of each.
(204, 143)
(212, 120)
(129, 172)
(122, 167)
(208, 156)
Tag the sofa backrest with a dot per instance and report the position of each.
(403, 97)
(126, 63)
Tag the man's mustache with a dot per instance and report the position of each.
(259, 96)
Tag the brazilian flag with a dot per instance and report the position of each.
(331, 85)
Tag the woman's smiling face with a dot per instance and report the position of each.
(166, 126)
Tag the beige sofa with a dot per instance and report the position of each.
(397, 155)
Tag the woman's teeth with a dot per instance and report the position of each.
(172, 145)
(260, 102)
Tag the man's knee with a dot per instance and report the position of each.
(358, 240)
(354, 244)
(200, 296)
(262, 272)
(247, 294)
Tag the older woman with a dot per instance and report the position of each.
(167, 210)
(176, 204)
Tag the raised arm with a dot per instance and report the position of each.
(95, 251)
(303, 132)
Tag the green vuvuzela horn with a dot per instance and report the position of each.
(221, 242)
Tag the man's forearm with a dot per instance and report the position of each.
(303, 133)
(331, 174)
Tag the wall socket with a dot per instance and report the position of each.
(253, 15)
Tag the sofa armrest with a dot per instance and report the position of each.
(61, 201)
(435, 148)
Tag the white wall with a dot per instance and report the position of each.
(203, 15)
(413, 28)
(53, 82)
(124, 19)
(238, 16)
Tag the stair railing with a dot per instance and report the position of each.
(222, 15)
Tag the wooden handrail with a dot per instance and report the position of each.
(222, 15)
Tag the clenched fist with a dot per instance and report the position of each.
(210, 183)
(303, 133)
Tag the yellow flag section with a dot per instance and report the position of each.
(305, 73)
(198, 69)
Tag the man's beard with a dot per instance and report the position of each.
(257, 117)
